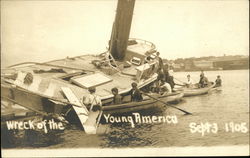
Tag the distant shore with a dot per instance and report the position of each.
(210, 63)
(208, 70)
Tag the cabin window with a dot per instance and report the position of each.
(136, 61)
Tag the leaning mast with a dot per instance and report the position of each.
(121, 28)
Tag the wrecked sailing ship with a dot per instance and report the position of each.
(59, 85)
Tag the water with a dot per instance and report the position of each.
(218, 107)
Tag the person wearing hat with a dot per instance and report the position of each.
(92, 100)
(203, 81)
(218, 81)
(135, 93)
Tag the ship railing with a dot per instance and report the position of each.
(150, 44)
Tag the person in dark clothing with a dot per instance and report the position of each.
(160, 60)
(169, 78)
(117, 97)
(203, 81)
(218, 81)
(135, 93)
(166, 74)
(201, 75)
(171, 81)
(161, 74)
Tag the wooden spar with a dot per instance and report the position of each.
(121, 28)
(87, 118)
(187, 113)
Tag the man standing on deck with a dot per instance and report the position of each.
(160, 60)
(92, 100)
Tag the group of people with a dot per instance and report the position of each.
(94, 103)
(164, 84)
(203, 82)
(165, 81)
(135, 94)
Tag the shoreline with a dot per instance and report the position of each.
(207, 70)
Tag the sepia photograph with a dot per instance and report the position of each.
(105, 78)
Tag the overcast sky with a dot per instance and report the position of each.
(45, 30)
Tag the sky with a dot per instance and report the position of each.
(45, 30)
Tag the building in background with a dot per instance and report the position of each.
(235, 62)
(232, 64)
(204, 64)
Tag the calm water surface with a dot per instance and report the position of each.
(220, 107)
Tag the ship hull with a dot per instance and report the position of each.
(36, 102)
